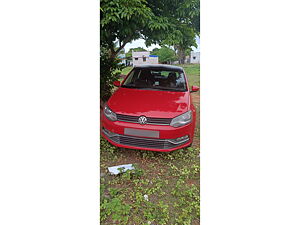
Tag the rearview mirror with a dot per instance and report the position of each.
(195, 89)
(117, 83)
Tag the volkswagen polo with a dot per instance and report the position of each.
(152, 109)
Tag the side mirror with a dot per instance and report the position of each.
(195, 89)
(117, 83)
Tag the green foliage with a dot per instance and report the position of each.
(132, 174)
(170, 180)
(188, 201)
(124, 20)
(165, 54)
(184, 30)
(157, 212)
(116, 208)
(109, 72)
(126, 70)
(178, 15)
(183, 43)
(158, 22)
(193, 73)
(107, 149)
(155, 21)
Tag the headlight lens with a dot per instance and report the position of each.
(182, 120)
(110, 114)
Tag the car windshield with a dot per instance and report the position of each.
(156, 78)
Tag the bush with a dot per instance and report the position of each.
(110, 70)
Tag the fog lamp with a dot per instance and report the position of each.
(179, 140)
(108, 132)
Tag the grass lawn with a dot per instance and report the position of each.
(126, 70)
(170, 180)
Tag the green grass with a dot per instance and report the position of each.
(126, 70)
(170, 180)
(192, 71)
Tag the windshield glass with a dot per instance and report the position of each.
(156, 78)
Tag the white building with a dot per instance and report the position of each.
(139, 58)
(195, 58)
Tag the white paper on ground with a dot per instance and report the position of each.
(115, 169)
(146, 197)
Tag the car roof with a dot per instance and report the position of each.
(159, 66)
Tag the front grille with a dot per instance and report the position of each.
(150, 120)
(127, 118)
(142, 142)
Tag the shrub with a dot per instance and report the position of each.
(110, 69)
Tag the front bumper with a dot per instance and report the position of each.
(114, 133)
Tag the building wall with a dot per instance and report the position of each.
(195, 57)
(139, 58)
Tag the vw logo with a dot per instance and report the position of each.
(142, 120)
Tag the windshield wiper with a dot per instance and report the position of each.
(154, 88)
(144, 88)
(168, 89)
(126, 86)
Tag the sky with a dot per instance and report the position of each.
(141, 43)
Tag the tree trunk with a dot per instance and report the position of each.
(181, 55)
(114, 52)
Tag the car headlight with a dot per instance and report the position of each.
(110, 114)
(181, 120)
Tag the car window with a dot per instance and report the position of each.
(164, 73)
(156, 78)
(132, 76)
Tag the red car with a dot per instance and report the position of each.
(151, 110)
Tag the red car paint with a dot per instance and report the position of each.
(155, 104)
(164, 104)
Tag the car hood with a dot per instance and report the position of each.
(149, 103)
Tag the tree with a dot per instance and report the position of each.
(183, 30)
(165, 54)
(127, 20)
(154, 21)
(183, 44)
(110, 71)
(122, 21)
(153, 52)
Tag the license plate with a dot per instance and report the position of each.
(141, 133)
